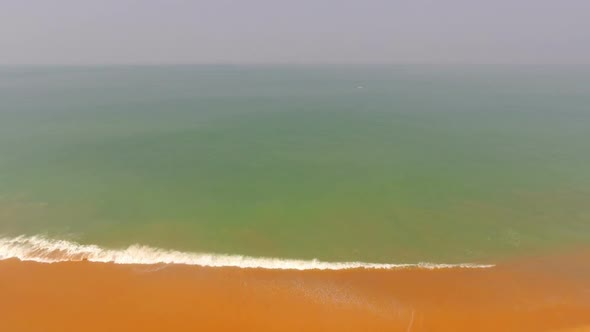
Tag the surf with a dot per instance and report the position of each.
(48, 250)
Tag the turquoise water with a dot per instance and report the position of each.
(370, 163)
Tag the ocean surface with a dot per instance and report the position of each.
(360, 164)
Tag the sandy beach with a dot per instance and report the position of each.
(532, 294)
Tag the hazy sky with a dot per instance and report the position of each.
(294, 31)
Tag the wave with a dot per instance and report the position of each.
(46, 250)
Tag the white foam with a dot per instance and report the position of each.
(46, 250)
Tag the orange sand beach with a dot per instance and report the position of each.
(533, 294)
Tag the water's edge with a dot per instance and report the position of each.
(46, 250)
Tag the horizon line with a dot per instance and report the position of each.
(254, 64)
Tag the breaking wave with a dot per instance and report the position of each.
(46, 250)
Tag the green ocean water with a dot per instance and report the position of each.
(387, 164)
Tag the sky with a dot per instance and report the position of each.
(294, 32)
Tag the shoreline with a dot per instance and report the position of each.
(45, 250)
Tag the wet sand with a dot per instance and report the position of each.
(533, 294)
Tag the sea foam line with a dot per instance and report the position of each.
(46, 250)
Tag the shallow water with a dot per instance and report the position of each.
(406, 164)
